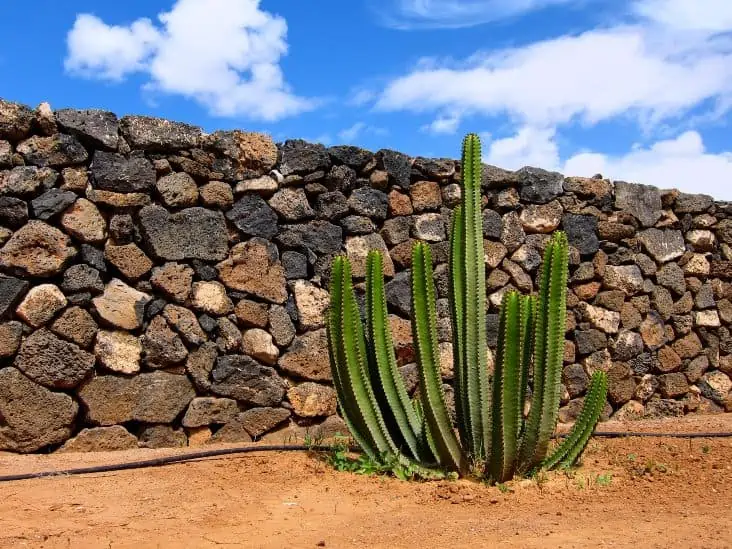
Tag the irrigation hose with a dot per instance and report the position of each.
(191, 456)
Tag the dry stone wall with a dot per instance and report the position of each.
(162, 287)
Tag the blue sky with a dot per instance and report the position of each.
(637, 90)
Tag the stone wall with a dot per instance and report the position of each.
(162, 287)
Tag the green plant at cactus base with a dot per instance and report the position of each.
(492, 438)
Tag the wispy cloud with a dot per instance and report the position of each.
(224, 54)
(421, 14)
(350, 134)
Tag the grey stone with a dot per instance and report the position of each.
(589, 341)
(101, 439)
(331, 205)
(244, 379)
(33, 416)
(627, 345)
(341, 178)
(663, 407)
(357, 225)
(55, 151)
(258, 421)
(114, 172)
(300, 157)
(627, 278)
(663, 245)
(158, 134)
(575, 379)
(10, 334)
(94, 127)
(16, 120)
(704, 298)
(51, 203)
(162, 436)
(253, 216)
(193, 233)
(641, 201)
(13, 212)
(352, 156)
(177, 190)
(157, 397)
(429, 227)
(93, 257)
(82, 278)
(27, 181)
(280, 325)
(162, 346)
(492, 224)
(53, 362)
(692, 203)
(291, 204)
(295, 265)
(582, 232)
(369, 202)
(512, 232)
(539, 186)
(204, 411)
(200, 364)
(321, 237)
(672, 276)
(396, 230)
(399, 293)
(397, 165)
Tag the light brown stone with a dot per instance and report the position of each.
(312, 303)
(101, 439)
(258, 344)
(120, 305)
(307, 357)
(174, 280)
(250, 268)
(41, 304)
(118, 351)
(37, 249)
(312, 400)
(210, 297)
(129, 259)
(83, 221)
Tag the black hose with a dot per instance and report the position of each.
(166, 460)
(190, 456)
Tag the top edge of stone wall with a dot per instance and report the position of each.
(293, 158)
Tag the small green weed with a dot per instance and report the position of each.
(604, 479)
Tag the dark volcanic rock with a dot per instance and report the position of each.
(33, 416)
(539, 186)
(93, 127)
(349, 155)
(158, 134)
(244, 379)
(114, 172)
(321, 237)
(301, 157)
(52, 203)
(582, 232)
(13, 212)
(55, 152)
(397, 165)
(641, 201)
(53, 362)
(12, 291)
(193, 233)
(253, 217)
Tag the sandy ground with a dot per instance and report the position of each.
(633, 492)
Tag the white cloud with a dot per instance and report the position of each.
(111, 52)
(680, 163)
(443, 124)
(595, 76)
(415, 14)
(698, 15)
(350, 134)
(223, 53)
(528, 147)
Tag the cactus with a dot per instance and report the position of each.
(492, 433)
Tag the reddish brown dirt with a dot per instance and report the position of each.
(660, 493)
